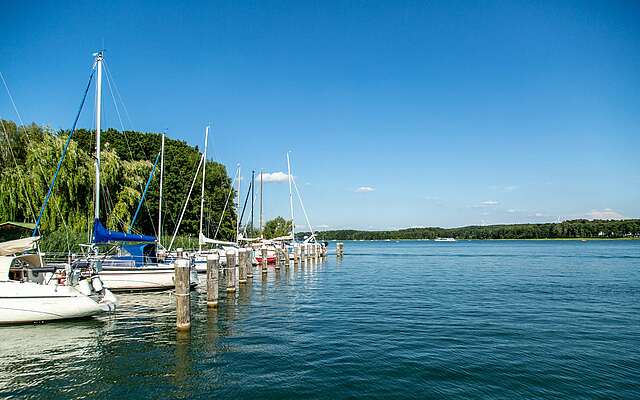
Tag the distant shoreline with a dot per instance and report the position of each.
(588, 239)
(579, 229)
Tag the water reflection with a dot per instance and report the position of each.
(182, 357)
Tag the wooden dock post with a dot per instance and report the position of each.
(249, 263)
(296, 254)
(339, 249)
(278, 258)
(302, 254)
(183, 300)
(180, 252)
(242, 265)
(263, 253)
(213, 269)
(231, 270)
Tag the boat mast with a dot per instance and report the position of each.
(238, 208)
(293, 224)
(160, 200)
(253, 183)
(204, 168)
(99, 57)
(261, 209)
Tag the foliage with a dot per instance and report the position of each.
(277, 227)
(28, 158)
(580, 228)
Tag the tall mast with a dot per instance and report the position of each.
(293, 223)
(99, 57)
(253, 184)
(261, 191)
(238, 208)
(204, 169)
(160, 200)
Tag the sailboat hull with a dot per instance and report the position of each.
(146, 278)
(26, 302)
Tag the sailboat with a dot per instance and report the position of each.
(200, 257)
(33, 291)
(124, 267)
(312, 238)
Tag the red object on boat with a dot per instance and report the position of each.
(270, 260)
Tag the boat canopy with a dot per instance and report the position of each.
(18, 245)
(141, 253)
(202, 239)
(103, 235)
(28, 260)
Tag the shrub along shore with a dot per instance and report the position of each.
(574, 229)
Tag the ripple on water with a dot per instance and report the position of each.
(495, 320)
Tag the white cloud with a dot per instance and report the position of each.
(486, 203)
(323, 226)
(365, 189)
(607, 213)
(277, 177)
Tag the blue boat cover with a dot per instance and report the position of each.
(103, 235)
(141, 253)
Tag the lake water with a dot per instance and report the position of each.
(494, 319)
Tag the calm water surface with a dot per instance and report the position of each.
(498, 320)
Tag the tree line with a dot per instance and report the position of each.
(579, 228)
(29, 155)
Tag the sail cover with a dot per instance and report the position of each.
(103, 235)
(18, 245)
(202, 239)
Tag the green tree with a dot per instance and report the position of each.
(277, 227)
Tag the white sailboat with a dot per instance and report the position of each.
(32, 292)
(311, 239)
(125, 267)
(200, 258)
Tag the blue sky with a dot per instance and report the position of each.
(396, 113)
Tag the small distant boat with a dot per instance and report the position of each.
(448, 239)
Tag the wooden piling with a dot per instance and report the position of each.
(302, 254)
(213, 269)
(278, 258)
(263, 253)
(339, 249)
(231, 270)
(180, 252)
(249, 263)
(296, 254)
(183, 301)
(242, 266)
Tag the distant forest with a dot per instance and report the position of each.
(28, 157)
(579, 228)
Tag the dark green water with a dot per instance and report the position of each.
(496, 320)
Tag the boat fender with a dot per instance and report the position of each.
(96, 282)
(84, 287)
